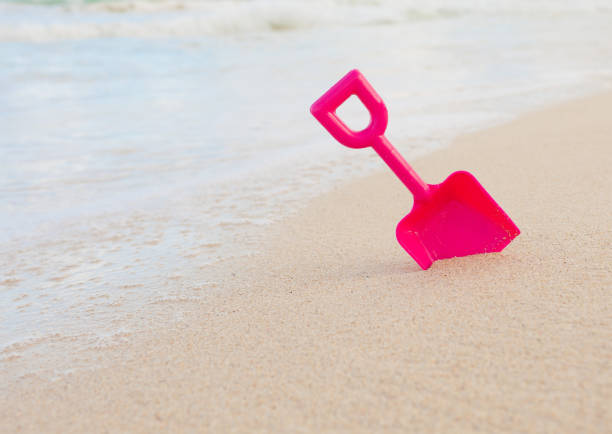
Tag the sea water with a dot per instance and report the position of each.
(141, 141)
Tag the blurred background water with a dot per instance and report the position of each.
(141, 141)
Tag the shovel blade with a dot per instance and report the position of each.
(459, 219)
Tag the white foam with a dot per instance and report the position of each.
(170, 18)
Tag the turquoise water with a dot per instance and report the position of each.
(143, 140)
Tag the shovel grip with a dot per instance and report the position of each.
(324, 109)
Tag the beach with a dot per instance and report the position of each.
(331, 327)
(147, 142)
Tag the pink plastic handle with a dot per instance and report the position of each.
(324, 109)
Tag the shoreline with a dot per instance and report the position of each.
(336, 328)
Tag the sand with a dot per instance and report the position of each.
(334, 328)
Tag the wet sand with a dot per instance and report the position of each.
(334, 328)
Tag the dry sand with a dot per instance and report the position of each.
(334, 328)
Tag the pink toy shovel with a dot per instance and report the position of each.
(455, 218)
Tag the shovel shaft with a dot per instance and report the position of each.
(324, 109)
(401, 168)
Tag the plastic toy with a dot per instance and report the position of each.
(455, 218)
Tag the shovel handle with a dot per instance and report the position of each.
(324, 110)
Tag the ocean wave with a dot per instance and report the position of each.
(49, 20)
